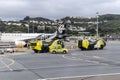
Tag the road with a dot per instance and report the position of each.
(77, 65)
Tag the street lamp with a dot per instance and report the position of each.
(97, 25)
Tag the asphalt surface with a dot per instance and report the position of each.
(76, 65)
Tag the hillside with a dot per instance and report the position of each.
(108, 24)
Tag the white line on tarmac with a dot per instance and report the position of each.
(72, 58)
(71, 77)
(76, 59)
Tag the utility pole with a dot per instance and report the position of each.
(28, 29)
(33, 27)
(32, 22)
(97, 25)
(27, 25)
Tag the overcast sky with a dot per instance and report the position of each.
(55, 9)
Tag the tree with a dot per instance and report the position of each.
(27, 18)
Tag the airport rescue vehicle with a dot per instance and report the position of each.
(45, 46)
(52, 42)
(86, 44)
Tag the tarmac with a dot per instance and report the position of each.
(76, 65)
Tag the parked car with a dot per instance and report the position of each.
(59, 50)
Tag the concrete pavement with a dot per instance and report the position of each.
(77, 65)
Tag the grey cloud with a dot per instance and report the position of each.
(56, 8)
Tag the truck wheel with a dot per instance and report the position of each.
(53, 52)
(64, 52)
(101, 47)
(83, 49)
(2, 53)
(36, 51)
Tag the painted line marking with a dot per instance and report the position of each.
(41, 79)
(7, 65)
(81, 60)
(77, 54)
(73, 58)
(70, 77)
(78, 59)
(12, 62)
(97, 57)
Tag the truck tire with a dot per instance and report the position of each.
(2, 53)
(101, 47)
(36, 51)
(65, 52)
(82, 48)
(53, 52)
